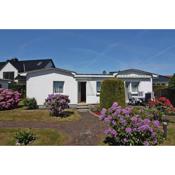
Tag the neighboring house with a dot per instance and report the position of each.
(85, 87)
(16, 70)
(161, 80)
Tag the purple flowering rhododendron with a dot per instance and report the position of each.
(9, 99)
(126, 128)
(57, 103)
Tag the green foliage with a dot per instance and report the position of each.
(18, 87)
(112, 90)
(171, 83)
(30, 103)
(24, 137)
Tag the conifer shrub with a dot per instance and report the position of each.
(112, 90)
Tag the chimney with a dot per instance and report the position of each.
(14, 59)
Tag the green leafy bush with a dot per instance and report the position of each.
(171, 83)
(112, 90)
(24, 137)
(30, 103)
(18, 87)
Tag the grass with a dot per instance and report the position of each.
(44, 136)
(21, 114)
(171, 134)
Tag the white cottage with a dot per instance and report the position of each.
(84, 87)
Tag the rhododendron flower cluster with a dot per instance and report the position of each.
(162, 104)
(9, 99)
(57, 103)
(125, 128)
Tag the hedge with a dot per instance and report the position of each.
(112, 90)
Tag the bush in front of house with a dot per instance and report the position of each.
(112, 90)
(163, 105)
(30, 103)
(21, 88)
(171, 83)
(128, 129)
(9, 99)
(24, 137)
(57, 103)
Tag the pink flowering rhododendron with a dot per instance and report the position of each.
(9, 99)
(127, 128)
(57, 103)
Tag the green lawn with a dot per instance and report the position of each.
(171, 131)
(21, 114)
(44, 136)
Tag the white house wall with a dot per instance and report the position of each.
(8, 68)
(91, 92)
(41, 85)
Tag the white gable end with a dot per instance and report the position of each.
(8, 68)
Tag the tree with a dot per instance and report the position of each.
(171, 83)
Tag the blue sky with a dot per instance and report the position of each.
(92, 51)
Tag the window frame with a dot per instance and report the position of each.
(98, 91)
(9, 78)
(59, 92)
(137, 87)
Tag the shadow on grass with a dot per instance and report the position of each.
(65, 114)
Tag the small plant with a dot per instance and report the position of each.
(57, 104)
(9, 99)
(24, 137)
(125, 128)
(30, 103)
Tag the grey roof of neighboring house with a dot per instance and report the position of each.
(27, 65)
(129, 71)
(161, 79)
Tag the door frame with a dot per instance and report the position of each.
(80, 92)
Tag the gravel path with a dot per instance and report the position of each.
(86, 131)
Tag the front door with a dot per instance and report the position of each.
(82, 92)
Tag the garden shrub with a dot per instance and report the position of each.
(171, 83)
(24, 137)
(9, 99)
(163, 105)
(166, 92)
(30, 103)
(18, 87)
(57, 103)
(112, 90)
(125, 128)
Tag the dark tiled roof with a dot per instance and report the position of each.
(28, 65)
(161, 79)
(2, 64)
(129, 71)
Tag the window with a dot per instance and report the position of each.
(8, 75)
(58, 86)
(98, 86)
(135, 86)
(0, 85)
